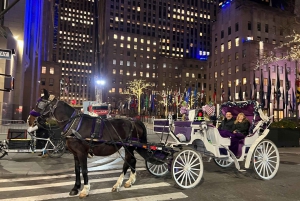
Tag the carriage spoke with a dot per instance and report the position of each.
(194, 161)
(195, 164)
(180, 163)
(178, 172)
(271, 165)
(192, 176)
(271, 153)
(182, 178)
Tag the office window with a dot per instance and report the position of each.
(222, 47)
(43, 81)
(51, 70)
(266, 28)
(141, 74)
(44, 70)
(114, 61)
(237, 41)
(265, 81)
(187, 74)
(121, 72)
(114, 71)
(128, 63)
(229, 30)
(229, 44)
(121, 62)
(258, 26)
(244, 80)
(237, 69)
(249, 26)
(222, 34)
(51, 82)
(229, 71)
(236, 27)
(236, 56)
(229, 58)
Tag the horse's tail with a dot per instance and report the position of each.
(143, 137)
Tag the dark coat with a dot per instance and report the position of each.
(227, 124)
(242, 127)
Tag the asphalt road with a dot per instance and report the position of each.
(217, 184)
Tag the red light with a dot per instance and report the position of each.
(153, 147)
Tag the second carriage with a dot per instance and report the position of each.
(201, 138)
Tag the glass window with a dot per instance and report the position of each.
(187, 74)
(44, 70)
(51, 82)
(141, 74)
(222, 47)
(114, 71)
(115, 36)
(114, 61)
(128, 63)
(229, 44)
(51, 70)
(121, 72)
(237, 41)
(244, 80)
(121, 62)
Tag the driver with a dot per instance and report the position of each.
(228, 122)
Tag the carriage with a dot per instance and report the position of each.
(181, 156)
(202, 138)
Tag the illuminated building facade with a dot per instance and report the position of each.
(245, 33)
(73, 48)
(154, 41)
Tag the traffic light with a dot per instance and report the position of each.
(9, 83)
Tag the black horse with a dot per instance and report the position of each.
(85, 134)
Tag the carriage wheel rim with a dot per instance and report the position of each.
(187, 169)
(266, 160)
(157, 170)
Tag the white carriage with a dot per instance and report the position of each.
(204, 139)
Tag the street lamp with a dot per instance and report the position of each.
(98, 89)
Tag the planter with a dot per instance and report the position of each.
(284, 137)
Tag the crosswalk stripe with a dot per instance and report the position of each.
(3, 189)
(92, 192)
(63, 176)
(168, 196)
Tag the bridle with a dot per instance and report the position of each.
(47, 107)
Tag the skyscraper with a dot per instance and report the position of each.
(153, 40)
(73, 48)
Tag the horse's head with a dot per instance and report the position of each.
(42, 109)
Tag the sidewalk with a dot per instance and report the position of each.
(22, 164)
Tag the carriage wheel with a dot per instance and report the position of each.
(266, 160)
(58, 150)
(157, 170)
(187, 168)
(223, 163)
(3, 147)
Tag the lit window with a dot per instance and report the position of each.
(216, 74)
(164, 65)
(128, 63)
(142, 40)
(121, 45)
(148, 41)
(43, 70)
(153, 75)
(244, 80)
(120, 90)
(147, 65)
(193, 75)
(114, 71)
(128, 73)
(128, 38)
(237, 40)
(187, 74)
(122, 37)
(147, 74)
(229, 83)
(134, 73)
(121, 72)
(141, 74)
(222, 47)
(51, 70)
(135, 40)
(229, 44)
(237, 69)
(115, 36)
(128, 46)
(121, 62)
(135, 47)
(148, 49)
(113, 90)
(237, 82)
(114, 61)
(154, 42)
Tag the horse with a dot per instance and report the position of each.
(85, 134)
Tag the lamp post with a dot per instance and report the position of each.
(98, 89)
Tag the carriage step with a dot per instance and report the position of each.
(242, 170)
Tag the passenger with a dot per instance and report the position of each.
(241, 124)
(238, 132)
(228, 122)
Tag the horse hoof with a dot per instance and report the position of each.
(73, 192)
(83, 195)
(127, 185)
(114, 189)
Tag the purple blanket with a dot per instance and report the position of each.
(235, 140)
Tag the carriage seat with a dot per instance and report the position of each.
(183, 127)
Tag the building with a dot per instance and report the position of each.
(154, 41)
(74, 48)
(244, 34)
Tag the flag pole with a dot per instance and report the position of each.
(278, 89)
(297, 73)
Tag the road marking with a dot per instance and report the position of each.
(20, 188)
(63, 176)
(169, 196)
(92, 192)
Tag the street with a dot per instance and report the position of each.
(217, 184)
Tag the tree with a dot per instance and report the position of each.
(135, 88)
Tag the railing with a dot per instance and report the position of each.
(10, 124)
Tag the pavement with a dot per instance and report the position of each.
(25, 164)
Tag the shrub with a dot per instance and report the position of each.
(285, 124)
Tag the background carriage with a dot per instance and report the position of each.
(202, 138)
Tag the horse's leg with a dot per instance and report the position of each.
(119, 182)
(132, 162)
(77, 185)
(86, 188)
